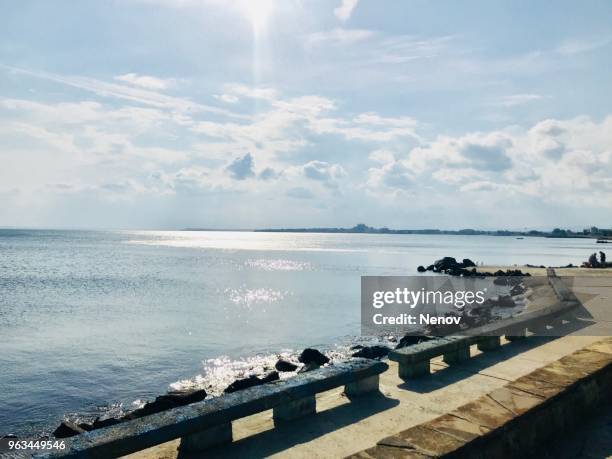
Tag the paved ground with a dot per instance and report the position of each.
(342, 427)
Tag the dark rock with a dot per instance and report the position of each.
(445, 263)
(167, 402)
(67, 429)
(272, 376)
(85, 426)
(409, 340)
(100, 423)
(421, 269)
(310, 355)
(356, 347)
(251, 381)
(372, 352)
(284, 365)
(244, 383)
(430, 268)
(467, 263)
(309, 367)
(518, 289)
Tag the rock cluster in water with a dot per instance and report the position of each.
(467, 268)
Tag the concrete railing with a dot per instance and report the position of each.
(209, 422)
(413, 361)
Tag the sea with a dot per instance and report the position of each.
(96, 323)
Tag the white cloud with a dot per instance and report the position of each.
(127, 92)
(345, 10)
(337, 37)
(232, 93)
(520, 99)
(577, 46)
(146, 81)
(565, 162)
(324, 172)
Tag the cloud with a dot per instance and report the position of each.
(268, 174)
(345, 10)
(519, 99)
(146, 81)
(126, 92)
(324, 172)
(394, 175)
(227, 98)
(578, 46)
(241, 168)
(486, 152)
(337, 37)
(558, 162)
(233, 92)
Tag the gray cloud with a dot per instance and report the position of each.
(324, 172)
(241, 168)
(487, 157)
(268, 174)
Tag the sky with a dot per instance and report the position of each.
(167, 114)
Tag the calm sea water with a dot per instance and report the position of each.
(97, 322)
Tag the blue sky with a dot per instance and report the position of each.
(243, 114)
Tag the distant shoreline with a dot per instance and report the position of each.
(364, 229)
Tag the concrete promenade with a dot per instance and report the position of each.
(341, 427)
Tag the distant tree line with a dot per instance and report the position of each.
(363, 228)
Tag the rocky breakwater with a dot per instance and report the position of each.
(308, 360)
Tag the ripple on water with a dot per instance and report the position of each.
(250, 297)
(268, 264)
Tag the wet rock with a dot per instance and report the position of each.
(421, 269)
(86, 426)
(409, 340)
(272, 376)
(244, 383)
(356, 347)
(100, 423)
(285, 365)
(310, 355)
(445, 263)
(372, 352)
(167, 402)
(467, 263)
(67, 429)
(518, 289)
(251, 381)
(309, 367)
